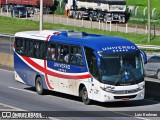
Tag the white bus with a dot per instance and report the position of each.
(94, 67)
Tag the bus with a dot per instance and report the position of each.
(93, 67)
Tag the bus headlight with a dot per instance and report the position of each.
(141, 87)
(110, 90)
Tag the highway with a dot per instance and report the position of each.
(22, 97)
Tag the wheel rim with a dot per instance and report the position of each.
(79, 16)
(39, 86)
(85, 95)
(90, 18)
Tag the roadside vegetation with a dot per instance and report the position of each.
(13, 25)
(140, 11)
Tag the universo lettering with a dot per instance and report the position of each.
(61, 65)
(119, 48)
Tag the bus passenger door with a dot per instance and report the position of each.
(95, 82)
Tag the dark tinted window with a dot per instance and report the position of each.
(63, 53)
(38, 50)
(92, 62)
(19, 44)
(76, 55)
(51, 51)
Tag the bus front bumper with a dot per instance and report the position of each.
(109, 97)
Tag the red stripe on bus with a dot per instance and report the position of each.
(42, 69)
(46, 77)
(48, 37)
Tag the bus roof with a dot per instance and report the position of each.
(102, 43)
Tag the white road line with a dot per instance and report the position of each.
(15, 108)
(7, 70)
(22, 90)
(142, 118)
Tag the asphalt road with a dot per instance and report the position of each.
(20, 96)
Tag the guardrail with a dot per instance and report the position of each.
(6, 35)
(154, 47)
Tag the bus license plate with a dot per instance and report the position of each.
(125, 99)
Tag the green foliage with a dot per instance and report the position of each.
(59, 8)
(143, 4)
(13, 25)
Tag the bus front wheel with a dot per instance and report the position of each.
(39, 86)
(85, 98)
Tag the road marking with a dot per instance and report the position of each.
(142, 118)
(15, 108)
(7, 70)
(22, 90)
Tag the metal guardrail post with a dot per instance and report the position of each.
(10, 44)
(106, 26)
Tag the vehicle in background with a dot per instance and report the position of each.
(31, 5)
(99, 10)
(152, 68)
(19, 11)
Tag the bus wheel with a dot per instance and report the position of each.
(85, 98)
(39, 86)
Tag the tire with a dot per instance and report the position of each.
(158, 74)
(104, 19)
(79, 16)
(39, 86)
(74, 14)
(97, 18)
(91, 17)
(85, 98)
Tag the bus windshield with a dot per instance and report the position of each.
(122, 69)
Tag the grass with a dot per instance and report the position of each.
(144, 3)
(13, 25)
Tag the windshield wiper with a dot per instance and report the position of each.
(125, 74)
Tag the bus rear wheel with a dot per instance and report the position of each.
(85, 98)
(39, 86)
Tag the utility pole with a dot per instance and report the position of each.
(41, 15)
(149, 21)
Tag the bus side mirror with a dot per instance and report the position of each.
(144, 56)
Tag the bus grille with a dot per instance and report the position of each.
(126, 91)
(121, 97)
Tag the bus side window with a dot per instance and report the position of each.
(66, 54)
(20, 45)
(36, 50)
(26, 48)
(92, 62)
(31, 49)
(41, 50)
(51, 51)
(76, 56)
(60, 52)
